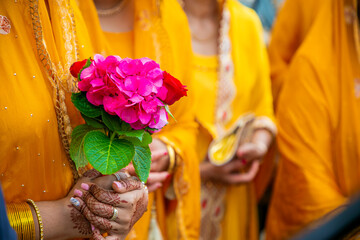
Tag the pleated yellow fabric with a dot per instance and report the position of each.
(160, 33)
(318, 116)
(291, 26)
(34, 163)
(253, 94)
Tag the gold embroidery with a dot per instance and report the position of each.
(212, 210)
(5, 25)
(58, 75)
(226, 90)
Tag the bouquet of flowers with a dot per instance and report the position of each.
(123, 101)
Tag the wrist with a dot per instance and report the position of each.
(206, 171)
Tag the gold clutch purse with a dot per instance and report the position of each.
(223, 149)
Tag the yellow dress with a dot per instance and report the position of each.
(156, 35)
(34, 163)
(319, 131)
(290, 29)
(234, 216)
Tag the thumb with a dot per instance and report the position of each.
(127, 185)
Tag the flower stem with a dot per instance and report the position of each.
(112, 136)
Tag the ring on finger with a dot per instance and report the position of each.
(115, 214)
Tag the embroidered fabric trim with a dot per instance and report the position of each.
(57, 73)
(5, 25)
(226, 89)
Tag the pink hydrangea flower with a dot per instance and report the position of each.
(128, 88)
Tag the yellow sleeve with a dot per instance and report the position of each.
(306, 187)
(181, 133)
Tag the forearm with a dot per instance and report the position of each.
(262, 137)
(73, 224)
(43, 220)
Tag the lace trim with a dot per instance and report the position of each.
(212, 210)
(56, 73)
(264, 122)
(226, 89)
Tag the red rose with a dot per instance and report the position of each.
(76, 67)
(175, 90)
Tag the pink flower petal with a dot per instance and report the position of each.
(129, 115)
(160, 120)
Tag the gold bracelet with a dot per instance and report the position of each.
(172, 158)
(21, 220)
(41, 226)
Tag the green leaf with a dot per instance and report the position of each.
(113, 122)
(84, 106)
(142, 162)
(139, 136)
(167, 109)
(93, 122)
(87, 64)
(77, 145)
(107, 155)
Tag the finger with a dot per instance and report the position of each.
(232, 166)
(157, 177)
(98, 208)
(106, 196)
(154, 187)
(243, 177)
(130, 169)
(98, 222)
(96, 235)
(158, 154)
(249, 151)
(127, 185)
(92, 174)
(121, 175)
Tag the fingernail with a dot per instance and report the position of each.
(168, 176)
(75, 202)
(166, 153)
(119, 185)
(243, 161)
(159, 185)
(85, 186)
(92, 227)
(78, 193)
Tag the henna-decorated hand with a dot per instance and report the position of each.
(97, 205)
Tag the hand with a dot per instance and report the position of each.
(159, 156)
(242, 169)
(159, 165)
(97, 205)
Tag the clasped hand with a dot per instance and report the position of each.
(242, 169)
(110, 206)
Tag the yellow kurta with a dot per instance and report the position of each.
(158, 38)
(319, 131)
(253, 94)
(290, 29)
(33, 161)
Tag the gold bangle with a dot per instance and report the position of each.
(41, 226)
(21, 220)
(172, 158)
